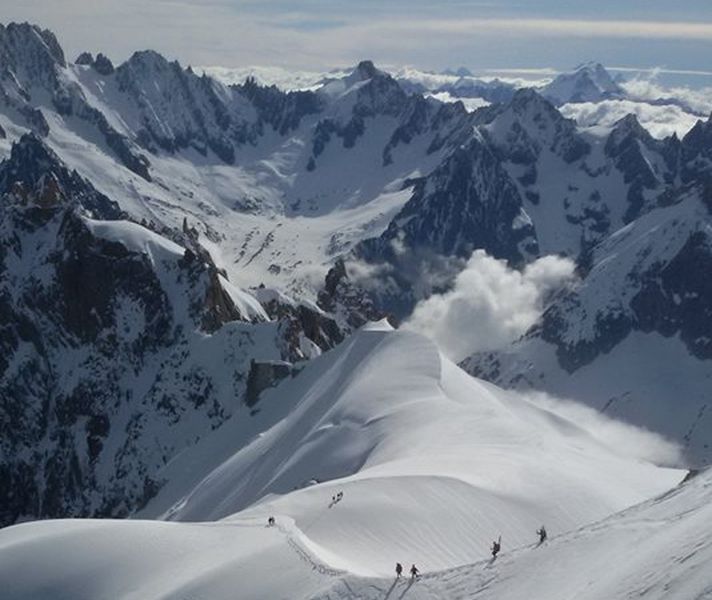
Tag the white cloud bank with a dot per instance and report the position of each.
(660, 121)
(490, 304)
(648, 89)
(471, 104)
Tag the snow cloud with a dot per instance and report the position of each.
(621, 438)
(660, 121)
(490, 304)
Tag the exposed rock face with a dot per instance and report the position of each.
(103, 65)
(468, 202)
(34, 175)
(118, 347)
(264, 375)
(281, 111)
(696, 153)
(350, 304)
(306, 328)
(85, 58)
(96, 357)
(629, 146)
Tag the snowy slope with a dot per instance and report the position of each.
(659, 550)
(656, 550)
(433, 465)
(389, 421)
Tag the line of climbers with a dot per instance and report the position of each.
(414, 572)
(497, 544)
(496, 547)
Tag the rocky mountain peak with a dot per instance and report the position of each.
(700, 135)
(367, 73)
(85, 58)
(103, 65)
(589, 82)
(29, 155)
(528, 100)
(380, 93)
(696, 152)
(145, 63)
(32, 55)
(628, 128)
(30, 41)
(528, 123)
(366, 70)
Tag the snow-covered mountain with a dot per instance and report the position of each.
(587, 83)
(431, 463)
(662, 110)
(527, 183)
(163, 230)
(186, 265)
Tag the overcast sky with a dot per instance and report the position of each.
(426, 33)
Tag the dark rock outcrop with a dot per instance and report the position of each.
(103, 65)
(85, 58)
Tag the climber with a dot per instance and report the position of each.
(542, 535)
(496, 547)
(414, 573)
(399, 570)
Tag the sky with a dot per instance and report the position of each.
(478, 34)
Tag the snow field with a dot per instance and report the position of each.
(428, 458)
(433, 465)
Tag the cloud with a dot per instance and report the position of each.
(317, 33)
(698, 101)
(561, 27)
(656, 71)
(621, 438)
(661, 121)
(471, 104)
(490, 305)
